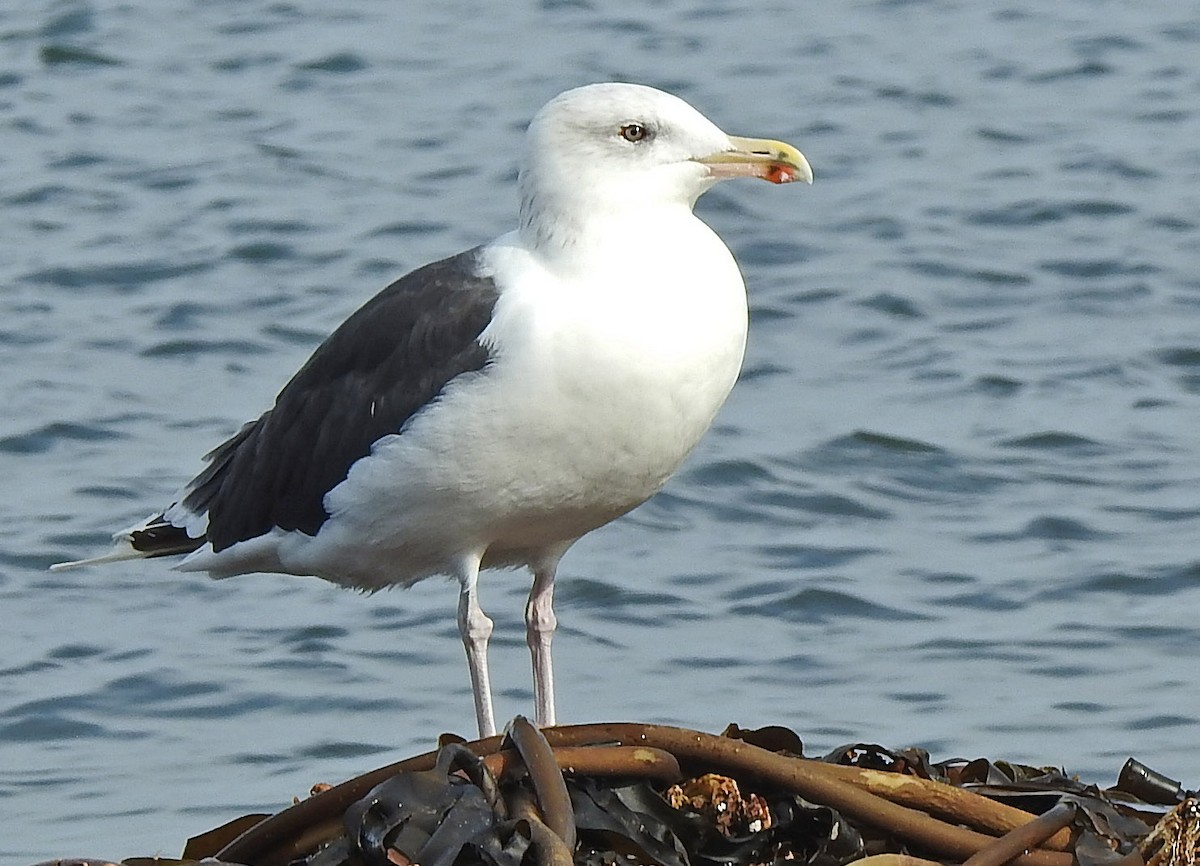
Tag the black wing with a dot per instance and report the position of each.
(390, 358)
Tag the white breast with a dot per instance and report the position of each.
(622, 371)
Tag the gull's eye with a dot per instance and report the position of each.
(634, 132)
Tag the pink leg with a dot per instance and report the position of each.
(476, 628)
(540, 623)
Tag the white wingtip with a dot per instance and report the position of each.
(117, 554)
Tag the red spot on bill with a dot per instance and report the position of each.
(778, 173)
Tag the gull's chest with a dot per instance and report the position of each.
(643, 360)
(622, 373)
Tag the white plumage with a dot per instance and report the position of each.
(514, 397)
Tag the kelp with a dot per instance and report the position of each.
(609, 794)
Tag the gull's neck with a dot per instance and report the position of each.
(572, 236)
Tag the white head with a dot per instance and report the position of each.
(608, 148)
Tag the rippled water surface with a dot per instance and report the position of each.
(953, 502)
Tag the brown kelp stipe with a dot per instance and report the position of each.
(605, 793)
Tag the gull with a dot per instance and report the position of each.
(489, 409)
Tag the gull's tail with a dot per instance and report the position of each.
(155, 537)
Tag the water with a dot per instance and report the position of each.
(952, 503)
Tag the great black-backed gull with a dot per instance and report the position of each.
(489, 409)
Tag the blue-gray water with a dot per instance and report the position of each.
(954, 502)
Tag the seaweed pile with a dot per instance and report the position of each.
(617, 794)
